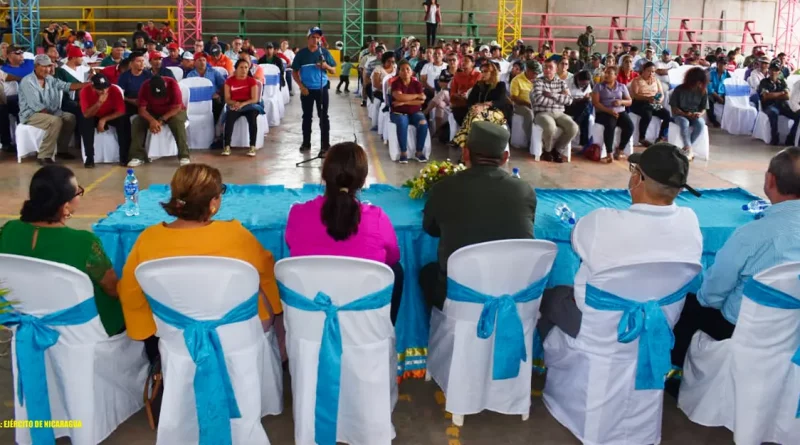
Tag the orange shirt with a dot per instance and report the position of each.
(222, 61)
(463, 82)
(220, 238)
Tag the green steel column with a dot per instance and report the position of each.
(353, 26)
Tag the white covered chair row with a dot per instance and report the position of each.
(739, 117)
(273, 98)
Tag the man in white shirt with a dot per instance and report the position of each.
(430, 72)
(655, 230)
(663, 66)
(756, 76)
(236, 46)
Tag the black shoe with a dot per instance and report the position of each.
(305, 147)
(338, 92)
(45, 161)
(363, 104)
(216, 145)
(546, 156)
(324, 150)
(89, 163)
(65, 156)
(9, 148)
(558, 159)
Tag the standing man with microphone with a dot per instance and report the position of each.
(311, 67)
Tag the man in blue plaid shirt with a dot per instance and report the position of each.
(549, 98)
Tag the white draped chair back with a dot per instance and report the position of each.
(749, 383)
(273, 99)
(368, 391)
(676, 75)
(591, 379)
(206, 288)
(199, 111)
(739, 73)
(739, 116)
(221, 70)
(177, 72)
(462, 363)
(89, 376)
(383, 117)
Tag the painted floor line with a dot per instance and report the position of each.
(101, 179)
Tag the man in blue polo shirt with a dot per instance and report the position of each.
(311, 67)
(131, 81)
(15, 68)
(206, 71)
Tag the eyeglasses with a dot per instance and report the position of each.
(224, 189)
(80, 191)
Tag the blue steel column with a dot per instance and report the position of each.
(655, 24)
(25, 20)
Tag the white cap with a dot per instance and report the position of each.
(483, 48)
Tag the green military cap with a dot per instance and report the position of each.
(533, 66)
(487, 139)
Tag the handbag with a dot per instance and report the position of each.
(593, 152)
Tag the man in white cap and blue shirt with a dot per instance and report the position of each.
(40, 97)
(311, 67)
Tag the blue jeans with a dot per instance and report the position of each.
(418, 121)
(773, 112)
(690, 129)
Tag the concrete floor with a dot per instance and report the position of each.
(419, 417)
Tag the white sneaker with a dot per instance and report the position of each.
(135, 162)
(184, 161)
(251, 152)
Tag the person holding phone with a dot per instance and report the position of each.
(648, 101)
(311, 67)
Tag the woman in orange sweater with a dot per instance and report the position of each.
(197, 191)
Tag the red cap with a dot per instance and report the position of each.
(155, 55)
(74, 51)
(173, 46)
(200, 55)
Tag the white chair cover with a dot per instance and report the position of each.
(461, 362)
(373, 109)
(177, 72)
(221, 70)
(597, 137)
(748, 383)
(241, 134)
(519, 137)
(161, 145)
(453, 125)
(653, 129)
(739, 116)
(739, 73)
(273, 100)
(106, 147)
(763, 131)
(701, 148)
(90, 377)
(206, 288)
(676, 75)
(394, 144)
(368, 382)
(29, 139)
(536, 144)
(791, 80)
(199, 109)
(590, 385)
(272, 376)
(383, 117)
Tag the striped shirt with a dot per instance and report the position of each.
(753, 248)
(557, 102)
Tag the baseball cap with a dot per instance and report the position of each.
(173, 46)
(73, 52)
(187, 55)
(445, 76)
(215, 50)
(269, 45)
(154, 55)
(483, 48)
(88, 45)
(200, 55)
(597, 56)
(763, 60)
(487, 139)
(665, 164)
(158, 87)
(666, 52)
(649, 50)
(534, 66)
(626, 43)
(315, 30)
(42, 60)
(15, 49)
(118, 44)
(123, 40)
(100, 81)
(775, 66)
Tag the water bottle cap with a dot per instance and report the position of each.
(130, 171)
(515, 170)
(572, 221)
(745, 207)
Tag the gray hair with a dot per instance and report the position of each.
(785, 166)
(661, 191)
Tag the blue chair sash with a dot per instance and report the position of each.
(215, 400)
(738, 90)
(272, 79)
(509, 342)
(774, 298)
(329, 369)
(201, 94)
(33, 337)
(645, 321)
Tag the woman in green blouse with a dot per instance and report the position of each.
(41, 232)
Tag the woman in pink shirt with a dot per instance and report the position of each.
(337, 223)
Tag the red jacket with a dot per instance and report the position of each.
(438, 13)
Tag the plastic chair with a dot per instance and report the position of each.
(374, 112)
(739, 73)
(519, 137)
(411, 145)
(29, 139)
(273, 100)
(739, 116)
(221, 70)
(200, 112)
(177, 72)
(461, 362)
(762, 129)
(383, 116)
(591, 379)
(241, 134)
(701, 148)
(368, 380)
(653, 130)
(536, 146)
(89, 376)
(748, 383)
(676, 75)
(106, 147)
(207, 288)
(597, 137)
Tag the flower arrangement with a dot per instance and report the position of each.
(432, 173)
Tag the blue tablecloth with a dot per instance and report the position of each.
(264, 210)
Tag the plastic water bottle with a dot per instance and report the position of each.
(757, 206)
(131, 189)
(515, 173)
(566, 215)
